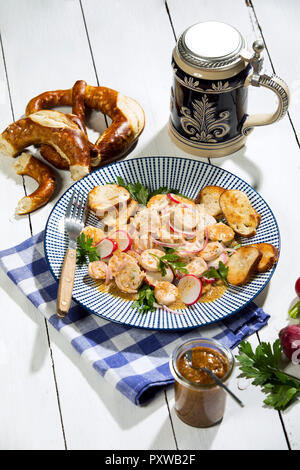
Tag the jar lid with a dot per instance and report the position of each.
(211, 46)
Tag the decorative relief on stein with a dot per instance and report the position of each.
(202, 125)
(218, 87)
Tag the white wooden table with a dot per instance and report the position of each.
(49, 399)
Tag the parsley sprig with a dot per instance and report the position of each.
(220, 273)
(172, 260)
(85, 249)
(137, 191)
(145, 300)
(262, 366)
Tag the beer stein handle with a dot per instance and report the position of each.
(274, 83)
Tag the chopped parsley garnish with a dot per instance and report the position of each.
(172, 260)
(145, 300)
(262, 366)
(220, 273)
(85, 249)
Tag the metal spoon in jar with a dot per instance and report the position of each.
(189, 359)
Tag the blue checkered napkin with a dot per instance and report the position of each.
(134, 361)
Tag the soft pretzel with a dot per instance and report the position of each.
(27, 164)
(127, 116)
(77, 116)
(78, 106)
(53, 128)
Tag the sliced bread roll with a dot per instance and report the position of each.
(209, 196)
(243, 264)
(239, 213)
(269, 256)
(220, 232)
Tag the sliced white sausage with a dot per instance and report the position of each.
(95, 233)
(197, 266)
(212, 251)
(220, 232)
(167, 236)
(117, 260)
(165, 293)
(147, 221)
(153, 278)
(97, 270)
(129, 277)
(184, 218)
(150, 259)
(134, 255)
(142, 241)
(158, 202)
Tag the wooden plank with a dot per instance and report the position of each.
(98, 407)
(259, 164)
(279, 24)
(132, 53)
(25, 364)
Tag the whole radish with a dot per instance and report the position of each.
(290, 341)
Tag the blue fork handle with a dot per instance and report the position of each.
(66, 283)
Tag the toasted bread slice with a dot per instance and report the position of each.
(220, 233)
(209, 196)
(243, 264)
(239, 213)
(269, 256)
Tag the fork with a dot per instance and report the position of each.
(74, 223)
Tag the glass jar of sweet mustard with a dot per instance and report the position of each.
(199, 402)
(212, 72)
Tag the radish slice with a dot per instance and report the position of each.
(207, 280)
(172, 197)
(153, 278)
(190, 288)
(106, 247)
(123, 240)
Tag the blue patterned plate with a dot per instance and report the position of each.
(188, 176)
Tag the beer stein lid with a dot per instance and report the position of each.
(211, 46)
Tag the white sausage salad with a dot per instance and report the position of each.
(165, 249)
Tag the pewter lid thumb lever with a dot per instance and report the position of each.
(254, 59)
